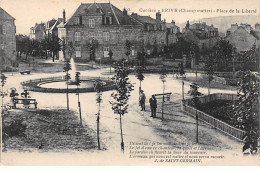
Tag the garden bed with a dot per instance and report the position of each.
(223, 110)
(55, 130)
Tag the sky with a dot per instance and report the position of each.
(29, 12)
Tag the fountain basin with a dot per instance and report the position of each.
(58, 85)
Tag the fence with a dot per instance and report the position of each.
(216, 123)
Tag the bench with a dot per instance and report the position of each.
(162, 96)
(25, 72)
(25, 102)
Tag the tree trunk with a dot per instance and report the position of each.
(53, 57)
(197, 125)
(67, 94)
(98, 117)
(163, 100)
(79, 110)
(209, 88)
(121, 130)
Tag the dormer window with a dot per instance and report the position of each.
(79, 20)
(108, 20)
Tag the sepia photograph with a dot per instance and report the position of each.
(129, 82)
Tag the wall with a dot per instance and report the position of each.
(7, 42)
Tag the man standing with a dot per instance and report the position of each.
(153, 106)
(142, 100)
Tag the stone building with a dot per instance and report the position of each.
(203, 35)
(243, 37)
(51, 26)
(110, 27)
(172, 32)
(7, 39)
(38, 31)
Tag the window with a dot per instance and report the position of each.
(92, 35)
(77, 36)
(78, 51)
(79, 20)
(91, 23)
(108, 20)
(3, 45)
(106, 36)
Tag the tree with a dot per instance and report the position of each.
(163, 75)
(155, 48)
(140, 76)
(55, 46)
(128, 45)
(92, 47)
(67, 68)
(223, 52)
(248, 99)
(209, 69)
(110, 53)
(3, 81)
(122, 94)
(141, 57)
(98, 87)
(77, 82)
(46, 45)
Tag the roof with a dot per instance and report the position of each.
(201, 26)
(256, 34)
(58, 21)
(5, 15)
(102, 9)
(146, 19)
(171, 25)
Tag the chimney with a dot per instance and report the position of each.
(173, 22)
(124, 12)
(64, 16)
(158, 16)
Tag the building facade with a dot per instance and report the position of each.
(111, 28)
(38, 32)
(203, 35)
(243, 37)
(7, 39)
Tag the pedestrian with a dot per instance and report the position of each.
(142, 100)
(153, 106)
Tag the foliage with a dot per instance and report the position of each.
(67, 68)
(141, 56)
(77, 79)
(123, 87)
(122, 94)
(139, 73)
(163, 74)
(3, 79)
(16, 128)
(209, 67)
(248, 99)
(128, 45)
(98, 86)
(223, 52)
(92, 46)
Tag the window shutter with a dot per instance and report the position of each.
(1, 29)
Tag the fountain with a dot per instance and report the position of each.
(72, 72)
(58, 85)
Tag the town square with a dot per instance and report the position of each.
(109, 84)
